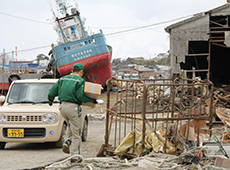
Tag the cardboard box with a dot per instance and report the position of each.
(194, 124)
(92, 90)
(90, 104)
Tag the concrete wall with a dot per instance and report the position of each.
(195, 30)
(179, 37)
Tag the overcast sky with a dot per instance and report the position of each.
(25, 24)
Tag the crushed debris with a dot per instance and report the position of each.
(176, 138)
(91, 163)
(224, 115)
(194, 158)
(177, 122)
(222, 97)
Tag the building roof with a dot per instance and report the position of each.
(18, 65)
(33, 65)
(23, 65)
(145, 69)
(124, 69)
(5, 65)
(163, 67)
(20, 62)
(194, 17)
(41, 68)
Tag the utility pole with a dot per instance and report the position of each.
(3, 58)
(12, 55)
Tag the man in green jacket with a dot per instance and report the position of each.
(70, 92)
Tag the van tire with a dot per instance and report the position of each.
(2, 145)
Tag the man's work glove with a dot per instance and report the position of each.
(94, 101)
(50, 103)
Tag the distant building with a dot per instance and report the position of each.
(133, 71)
(123, 71)
(32, 68)
(5, 68)
(138, 58)
(201, 44)
(138, 67)
(23, 66)
(163, 72)
(132, 66)
(160, 56)
(145, 73)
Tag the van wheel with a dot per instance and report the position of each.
(85, 131)
(2, 145)
(59, 143)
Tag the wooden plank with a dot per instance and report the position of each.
(201, 54)
(194, 124)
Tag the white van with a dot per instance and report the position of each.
(26, 116)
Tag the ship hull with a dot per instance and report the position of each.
(97, 68)
(92, 52)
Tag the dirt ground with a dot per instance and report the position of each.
(32, 156)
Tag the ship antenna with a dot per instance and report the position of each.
(51, 7)
(76, 4)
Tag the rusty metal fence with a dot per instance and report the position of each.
(166, 107)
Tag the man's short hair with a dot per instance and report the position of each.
(77, 67)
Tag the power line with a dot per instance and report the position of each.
(31, 49)
(146, 26)
(9, 15)
(119, 32)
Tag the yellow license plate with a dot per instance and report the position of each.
(15, 133)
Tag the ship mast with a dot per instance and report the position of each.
(69, 23)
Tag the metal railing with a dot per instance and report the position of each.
(153, 105)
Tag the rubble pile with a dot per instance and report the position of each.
(171, 145)
(176, 138)
(221, 98)
(163, 98)
(192, 159)
(181, 122)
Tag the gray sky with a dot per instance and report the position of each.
(109, 15)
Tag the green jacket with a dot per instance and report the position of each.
(69, 88)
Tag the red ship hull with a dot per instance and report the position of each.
(97, 68)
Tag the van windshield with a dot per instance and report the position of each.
(29, 93)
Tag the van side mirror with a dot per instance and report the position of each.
(2, 99)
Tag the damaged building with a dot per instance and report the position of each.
(200, 46)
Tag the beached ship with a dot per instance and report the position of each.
(75, 45)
